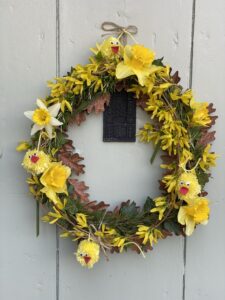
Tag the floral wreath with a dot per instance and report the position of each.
(178, 125)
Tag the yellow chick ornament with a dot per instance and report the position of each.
(87, 253)
(188, 186)
(111, 47)
(36, 161)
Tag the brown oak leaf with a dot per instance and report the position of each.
(175, 77)
(97, 206)
(79, 118)
(79, 189)
(72, 161)
(98, 105)
(207, 138)
(141, 101)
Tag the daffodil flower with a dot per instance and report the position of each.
(137, 61)
(196, 213)
(44, 117)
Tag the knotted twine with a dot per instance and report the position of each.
(120, 31)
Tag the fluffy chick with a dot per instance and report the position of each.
(36, 161)
(111, 47)
(87, 253)
(188, 186)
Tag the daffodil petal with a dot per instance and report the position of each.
(141, 75)
(190, 226)
(181, 216)
(29, 114)
(49, 130)
(36, 128)
(41, 104)
(55, 122)
(123, 71)
(54, 109)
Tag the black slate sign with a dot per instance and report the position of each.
(119, 118)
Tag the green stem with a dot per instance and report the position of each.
(37, 219)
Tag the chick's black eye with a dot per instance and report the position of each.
(81, 254)
(117, 43)
(111, 43)
(29, 156)
(35, 154)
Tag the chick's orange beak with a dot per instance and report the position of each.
(87, 259)
(115, 49)
(183, 190)
(34, 159)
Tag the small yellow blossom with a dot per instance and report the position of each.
(119, 242)
(196, 213)
(186, 97)
(81, 220)
(208, 159)
(201, 114)
(23, 146)
(170, 182)
(149, 234)
(160, 206)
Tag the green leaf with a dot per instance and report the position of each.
(158, 62)
(71, 207)
(99, 56)
(149, 204)
(172, 227)
(129, 210)
(157, 147)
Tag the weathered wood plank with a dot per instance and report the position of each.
(27, 263)
(206, 248)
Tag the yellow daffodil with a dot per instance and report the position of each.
(188, 187)
(23, 146)
(201, 114)
(36, 161)
(54, 181)
(160, 206)
(44, 117)
(87, 253)
(137, 61)
(196, 213)
(208, 159)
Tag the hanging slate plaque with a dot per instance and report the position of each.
(119, 118)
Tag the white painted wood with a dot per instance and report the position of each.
(27, 59)
(166, 28)
(206, 248)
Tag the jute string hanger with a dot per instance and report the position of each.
(122, 33)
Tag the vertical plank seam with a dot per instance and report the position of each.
(190, 86)
(57, 4)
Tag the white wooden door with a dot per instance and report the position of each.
(43, 38)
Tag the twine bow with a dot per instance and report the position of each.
(120, 31)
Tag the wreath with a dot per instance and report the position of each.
(178, 125)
